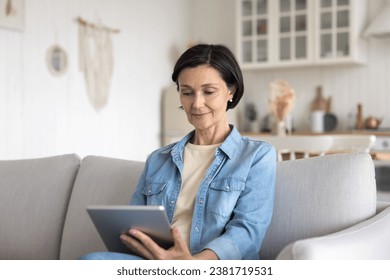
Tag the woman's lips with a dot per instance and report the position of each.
(198, 115)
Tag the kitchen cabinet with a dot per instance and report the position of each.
(254, 34)
(282, 33)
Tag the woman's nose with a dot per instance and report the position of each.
(198, 100)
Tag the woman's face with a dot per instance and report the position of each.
(204, 96)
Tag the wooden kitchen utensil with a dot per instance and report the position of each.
(319, 103)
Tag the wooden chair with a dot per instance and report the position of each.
(347, 143)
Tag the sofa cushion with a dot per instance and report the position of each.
(34, 197)
(318, 196)
(100, 181)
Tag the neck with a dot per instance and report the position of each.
(211, 136)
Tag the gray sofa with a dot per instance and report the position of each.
(325, 207)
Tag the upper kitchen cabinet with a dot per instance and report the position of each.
(254, 33)
(339, 24)
(282, 33)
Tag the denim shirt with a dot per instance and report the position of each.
(234, 203)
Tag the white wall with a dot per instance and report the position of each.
(42, 115)
(213, 22)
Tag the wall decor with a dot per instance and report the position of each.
(56, 60)
(12, 14)
(96, 60)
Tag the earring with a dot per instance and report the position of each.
(231, 100)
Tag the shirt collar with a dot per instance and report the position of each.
(229, 146)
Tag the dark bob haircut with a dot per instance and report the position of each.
(220, 58)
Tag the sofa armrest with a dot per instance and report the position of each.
(382, 205)
(366, 240)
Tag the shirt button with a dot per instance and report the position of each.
(227, 188)
(172, 202)
(197, 229)
(149, 191)
(200, 202)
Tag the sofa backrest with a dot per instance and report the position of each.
(100, 181)
(318, 196)
(34, 196)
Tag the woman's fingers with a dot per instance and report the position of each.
(178, 239)
(144, 246)
(136, 246)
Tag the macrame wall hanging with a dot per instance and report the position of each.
(96, 60)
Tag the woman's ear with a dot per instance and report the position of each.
(232, 90)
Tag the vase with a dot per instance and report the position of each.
(254, 126)
(279, 128)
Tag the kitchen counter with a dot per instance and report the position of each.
(380, 151)
(376, 132)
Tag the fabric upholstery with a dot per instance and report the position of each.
(382, 205)
(34, 196)
(318, 196)
(101, 181)
(359, 242)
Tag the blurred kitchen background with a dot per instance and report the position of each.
(312, 44)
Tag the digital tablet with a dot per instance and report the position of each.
(113, 220)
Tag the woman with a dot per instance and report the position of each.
(216, 186)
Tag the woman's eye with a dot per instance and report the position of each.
(208, 92)
(186, 93)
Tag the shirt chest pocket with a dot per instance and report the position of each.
(154, 193)
(223, 195)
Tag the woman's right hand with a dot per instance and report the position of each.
(141, 244)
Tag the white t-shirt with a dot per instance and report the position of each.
(197, 159)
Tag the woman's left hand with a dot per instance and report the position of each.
(144, 246)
